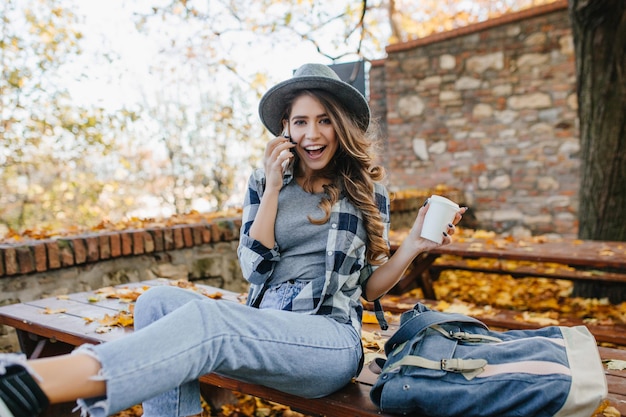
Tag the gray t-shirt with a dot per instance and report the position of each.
(302, 244)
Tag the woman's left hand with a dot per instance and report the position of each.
(387, 275)
(421, 244)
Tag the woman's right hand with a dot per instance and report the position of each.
(262, 228)
(277, 152)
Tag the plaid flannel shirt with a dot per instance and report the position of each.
(347, 269)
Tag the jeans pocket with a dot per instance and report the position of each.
(280, 296)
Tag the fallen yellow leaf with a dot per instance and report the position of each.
(49, 310)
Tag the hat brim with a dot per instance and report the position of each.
(272, 104)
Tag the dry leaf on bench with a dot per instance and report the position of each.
(615, 364)
(49, 310)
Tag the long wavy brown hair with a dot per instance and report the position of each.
(352, 170)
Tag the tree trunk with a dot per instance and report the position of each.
(599, 29)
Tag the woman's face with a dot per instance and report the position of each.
(312, 131)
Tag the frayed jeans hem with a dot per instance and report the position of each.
(93, 407)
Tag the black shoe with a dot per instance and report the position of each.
(20, 396)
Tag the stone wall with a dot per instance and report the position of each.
(489, 109)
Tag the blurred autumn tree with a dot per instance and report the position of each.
(202, 139)
(336, 29)
(205, 122)
(51, 147)
(64, 164)
(599, 29)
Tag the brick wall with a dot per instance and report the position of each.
(83, 262)
(489, 109)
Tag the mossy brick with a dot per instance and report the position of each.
(54, 255)
(116, 245)
(179, 240)
(148, 242)
(126, 239)
(80, 250)
(66, 252)
(104, 245)
(25, 259)
(41, 257)
(137, 242)
(93, 248)
(187, 236)
(206, 267)
(11, 266)
(226, 230)
(157, 237)
(168, 238)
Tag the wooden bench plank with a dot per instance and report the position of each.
(352, 400)
(65, 328)
(72, 308)
(573, 252)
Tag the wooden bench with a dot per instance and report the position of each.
(598, 263)
(54, 326)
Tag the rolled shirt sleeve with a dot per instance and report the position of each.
(256, 260)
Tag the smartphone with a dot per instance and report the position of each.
(286, 162)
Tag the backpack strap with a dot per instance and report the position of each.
(423, 320)
(465, 336)
(469, 368)
(380, 315)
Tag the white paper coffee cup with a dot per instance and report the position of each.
(441, 212)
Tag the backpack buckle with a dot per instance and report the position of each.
(469, 368)
(450, 365)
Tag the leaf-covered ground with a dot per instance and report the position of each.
(545, 298)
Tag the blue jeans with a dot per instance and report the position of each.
(182, 335)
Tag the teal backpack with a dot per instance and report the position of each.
(447, 365)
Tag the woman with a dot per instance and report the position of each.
(313, 241)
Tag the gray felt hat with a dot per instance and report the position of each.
(312, 76)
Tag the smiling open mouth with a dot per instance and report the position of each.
(314, 151)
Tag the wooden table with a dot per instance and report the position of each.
(583, 261)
